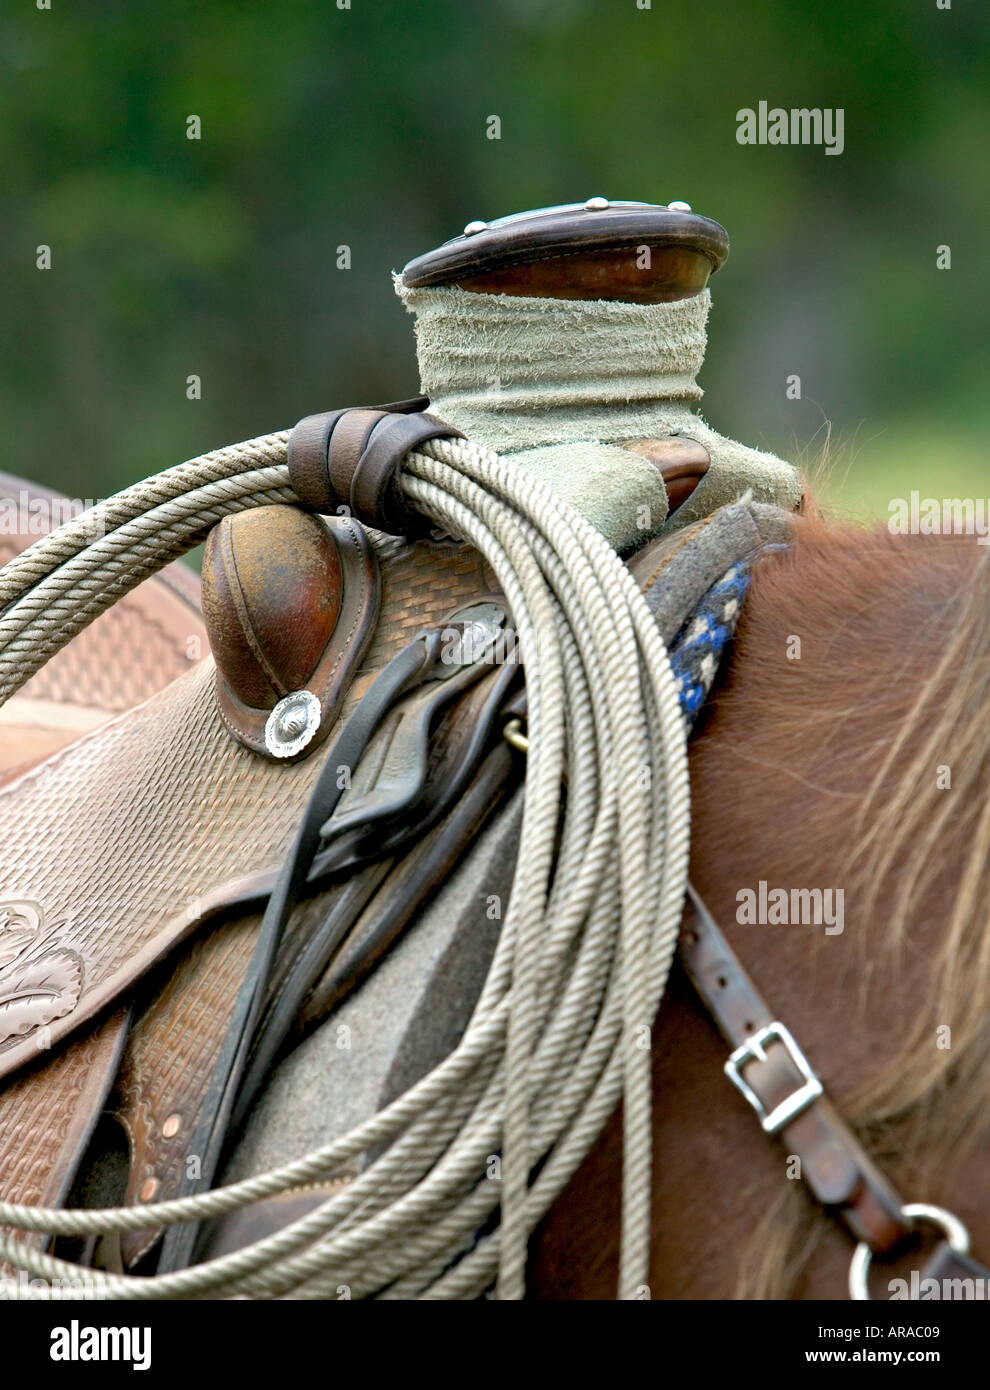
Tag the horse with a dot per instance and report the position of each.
(843, 754)
(852, 713)
(849, 745)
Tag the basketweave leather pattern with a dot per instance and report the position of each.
(47, 1115)
(148, 639)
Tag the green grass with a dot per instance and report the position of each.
(861, 476)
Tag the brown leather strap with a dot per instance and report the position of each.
(374, 492)
(308, 448)
(349, 460)
(347, 443)
(770, 1070)
(946, 1263)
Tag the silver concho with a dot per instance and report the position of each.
(292, 724)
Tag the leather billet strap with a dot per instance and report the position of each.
(348, 460)
(772, 1073)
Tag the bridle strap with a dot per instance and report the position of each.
(771, 1071)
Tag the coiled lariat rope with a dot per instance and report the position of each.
(54, 588)
(561, 1031)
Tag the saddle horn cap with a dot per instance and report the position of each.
(644, 253)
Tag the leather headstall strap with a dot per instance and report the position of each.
(768, 1067)
(407, 794)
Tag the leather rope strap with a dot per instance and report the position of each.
(349, 460)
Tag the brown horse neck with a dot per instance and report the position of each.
(830, 722)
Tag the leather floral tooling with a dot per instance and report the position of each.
(40, 979)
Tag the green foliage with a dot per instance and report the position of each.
(365, 126)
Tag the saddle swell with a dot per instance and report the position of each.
(291, 603)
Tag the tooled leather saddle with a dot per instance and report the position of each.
(246, 845)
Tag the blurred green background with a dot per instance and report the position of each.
(366, 126)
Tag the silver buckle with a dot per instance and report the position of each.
(752, 1051)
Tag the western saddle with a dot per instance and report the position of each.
(268, 850)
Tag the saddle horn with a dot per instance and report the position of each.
(276, 644)
(623, 252)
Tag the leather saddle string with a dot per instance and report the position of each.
(421, 874)
(418, 817)
(402, 672)
(362, 834)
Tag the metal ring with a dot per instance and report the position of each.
(514, 736)
(951, 1227)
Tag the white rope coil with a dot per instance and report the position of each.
(561, 1031)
